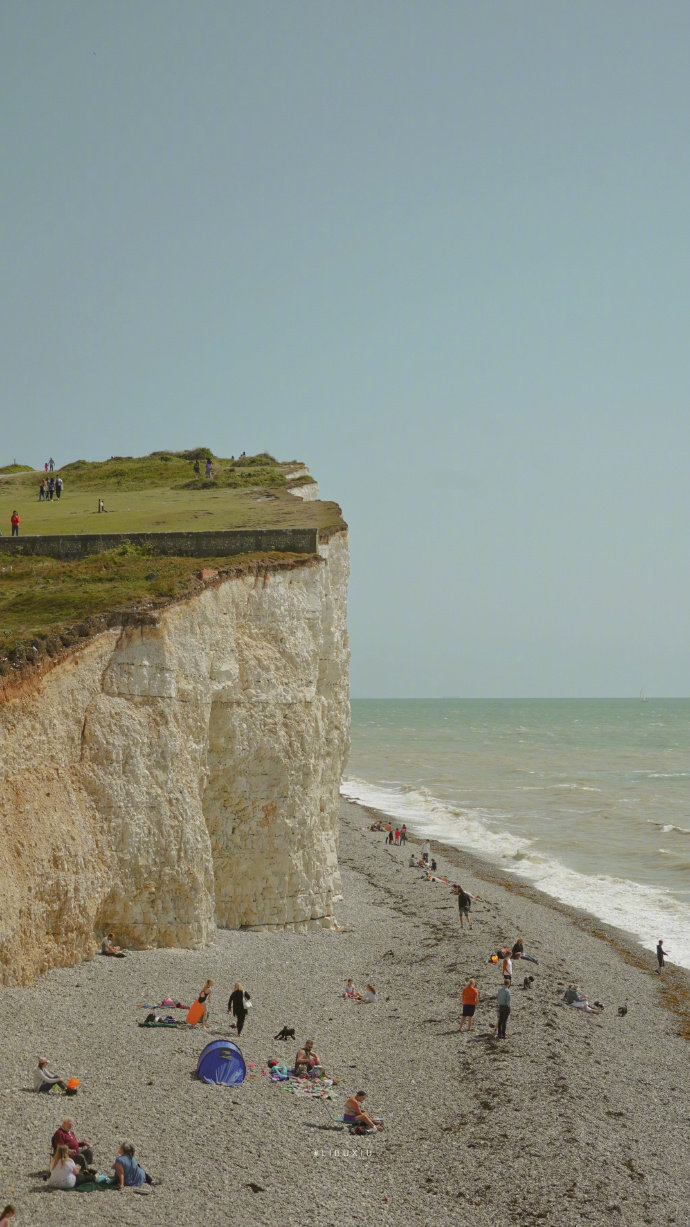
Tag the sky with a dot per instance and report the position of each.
(439, 251)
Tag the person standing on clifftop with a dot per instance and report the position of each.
(51, 464)
(14, 521)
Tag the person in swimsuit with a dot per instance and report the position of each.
(203, 999)
(354, 1113)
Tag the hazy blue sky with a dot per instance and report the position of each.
(439, 250)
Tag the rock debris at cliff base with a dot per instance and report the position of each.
(572, 1120)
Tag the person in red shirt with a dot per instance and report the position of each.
(81, 1152)
(470, 997)
(14, 519)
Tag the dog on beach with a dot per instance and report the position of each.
(528, 982)
(287, 1033)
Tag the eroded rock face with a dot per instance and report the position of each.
(179, 774)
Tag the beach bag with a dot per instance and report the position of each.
(247, 1003)
(195, 1014)
(72, 1086)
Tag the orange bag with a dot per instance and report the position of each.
(195, 1014)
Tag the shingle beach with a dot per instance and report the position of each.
(574, 1118)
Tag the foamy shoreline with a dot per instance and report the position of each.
(571, 1118)
(641, 911)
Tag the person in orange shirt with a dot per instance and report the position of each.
(470, 997)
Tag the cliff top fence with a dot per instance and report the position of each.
(213, 544)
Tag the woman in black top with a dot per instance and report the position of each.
(203, 999)
(238, 1005)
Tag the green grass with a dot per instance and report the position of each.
(39, 597)
(161, 492)
(15, 468)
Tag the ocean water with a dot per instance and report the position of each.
(587, 799)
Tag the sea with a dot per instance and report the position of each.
(588, 799)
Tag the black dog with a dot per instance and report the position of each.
(287, 1033)
(528, 982)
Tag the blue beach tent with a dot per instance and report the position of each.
(221, 1062)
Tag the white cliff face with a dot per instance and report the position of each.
(181, 773)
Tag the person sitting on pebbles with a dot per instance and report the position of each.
(109, 949)
(306, 1061)
(369, 996)
(44, 1080)
(64, 1172)
(128, 1173)
(81, 1152)
(354, 1113)
(573, 997)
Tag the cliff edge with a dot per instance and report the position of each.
(180, 772)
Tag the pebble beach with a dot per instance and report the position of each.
(573, 1118)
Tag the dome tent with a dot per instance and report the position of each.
(221, 1062)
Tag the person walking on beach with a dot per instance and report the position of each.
(503, 1003)
(403, 834)
(660, 956)
(470, 997)
(14, 521)
(426, 849)
(240, 1002)
(464, 905)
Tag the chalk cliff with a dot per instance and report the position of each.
(180, 772)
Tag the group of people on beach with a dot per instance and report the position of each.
(71, 1163)
(239, 1005)
(505, 956)
(394, 835)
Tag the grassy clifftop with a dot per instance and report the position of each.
(42, 600)
(161, 491)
